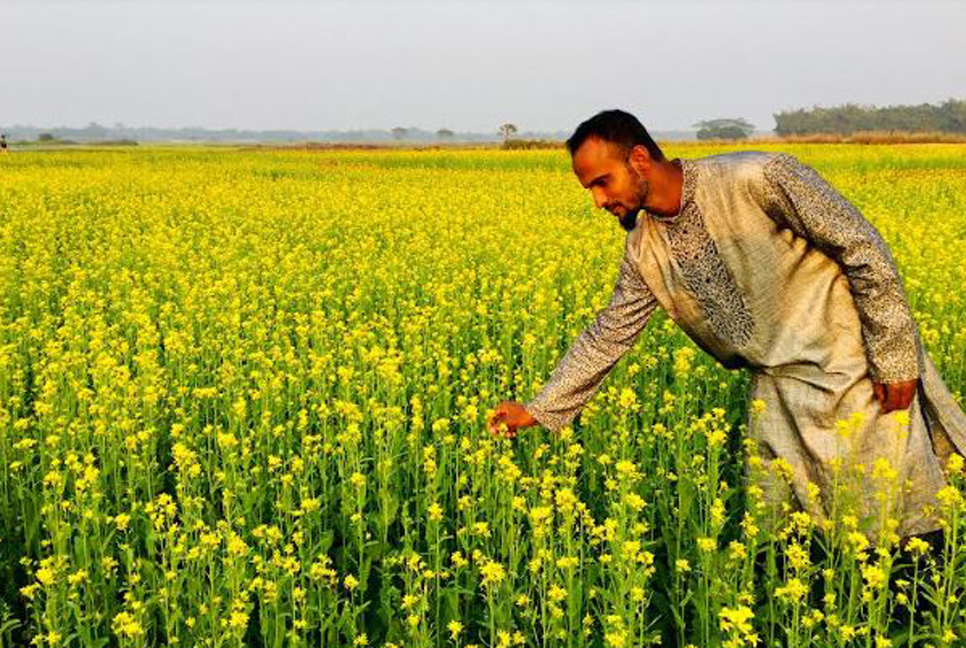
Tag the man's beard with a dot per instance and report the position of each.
(629, 220)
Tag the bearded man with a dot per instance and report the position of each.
(767, 267)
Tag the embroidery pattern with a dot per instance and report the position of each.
(705, 274)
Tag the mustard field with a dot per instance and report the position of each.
(243, 398)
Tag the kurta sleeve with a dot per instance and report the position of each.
(595, 351)
(798, 198)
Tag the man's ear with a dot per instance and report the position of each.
(640, 159)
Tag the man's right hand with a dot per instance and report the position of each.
(507, 418)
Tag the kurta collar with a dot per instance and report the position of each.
(689, 181)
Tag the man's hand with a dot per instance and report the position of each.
(507, 418)
(894, 396)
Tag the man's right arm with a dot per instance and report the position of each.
(591, 356)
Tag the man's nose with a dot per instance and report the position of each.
(599, 199)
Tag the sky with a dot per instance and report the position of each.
(466, 65)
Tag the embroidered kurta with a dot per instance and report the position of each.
(767, 267)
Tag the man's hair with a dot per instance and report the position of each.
(617, 127)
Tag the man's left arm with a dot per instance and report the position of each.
(797, 197)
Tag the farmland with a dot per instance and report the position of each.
(243, 400)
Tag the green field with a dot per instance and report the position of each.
(243, 399)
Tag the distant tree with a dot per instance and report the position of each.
(724, 129)
(45, 137)
(506, 130)
(399, 132)
(95, 131)
(444, 133)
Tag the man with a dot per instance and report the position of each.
(765, 266)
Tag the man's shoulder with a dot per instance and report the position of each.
(737, 161)
(745, 168)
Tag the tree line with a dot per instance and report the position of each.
(947, 117)
(95, 132)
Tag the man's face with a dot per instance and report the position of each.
(616, 185)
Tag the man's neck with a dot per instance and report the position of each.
(667, 184)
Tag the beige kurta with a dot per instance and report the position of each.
(767, 267)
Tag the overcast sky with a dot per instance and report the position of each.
(465, 64)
